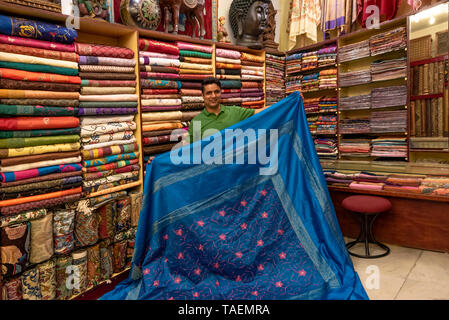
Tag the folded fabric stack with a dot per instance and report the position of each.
(356, 102)
(435, 185)
(368, 181)
(108, 105)
(404, 183)
(293, 84)
(327, 56)
(161, 97)
(382, 70)
(354, 78)
(275, 78)
(354, 51)
(310, 82)
(253, 76)
(389, 121)
(311, 121)
(326, 148)
(355, 147)
(228, 68)
(338, 179)
(326, 124)
(328, 79)
(311, 105)
(328, 104)
(39, 128)
(293, 63)
(388, 41)
(309, 60)
(385, 97)
(389, 147)
(355, 126)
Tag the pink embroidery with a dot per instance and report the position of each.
(260, 243)
(177, 280)
(180, 255)
(280, 232)
(243, 226)
(264, 215)
(302, 273)
(260, 267)
(156, 283)
(282, 255)
(222, 237)
(217, 283)
(196, 294)
(238, 279)
(178, 232)
(216, 265)
(146, 271)
(200, 223)
(239, 254)
(244, 203)
(201, 247)
(197, 271)
(263, 192)
(255, 293)
(222, 213)
(279, 284)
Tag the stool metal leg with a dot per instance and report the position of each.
(367, 231)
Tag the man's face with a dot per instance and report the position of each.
(212, 95)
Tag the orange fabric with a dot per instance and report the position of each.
(33, 123)
(37, 94)
(12, 202)
(197, 60)
(161, 126)
(15, 74)
(251, 57)
(252, 84)
(220, 65)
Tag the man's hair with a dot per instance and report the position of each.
(209, 81)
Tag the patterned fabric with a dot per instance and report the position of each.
(158, 46)
(40, 44)
(86, 226)
(47, 279)
(41, 239)
(63, 227)
(38, 85)
(43, 102)
(85, 49)
(119, 260)
(13, 288)
(20, 110)
(63, 291)
(100, 200)
(91, 68)
(38, 141)
(48, 177)
(93, 265)
(161, 62)
(31, 173)
(28, 76)
(105, 61)
(106, 262)
(107, 83)
(159, 84)
(14, 248)
(106, 111)
(108, 98)
(26, 59)
(154, 75)
(106, 76)
(225, 53)
(43, 53)
(30, 285)
(107, 151)
(24, 151)
(129, 253)
(89, 130)
(101, 174)
(95, 120)
(108, 104)
(136, 203)
(26, 28)
(79, 263)
(110, 159)
(94, 139)
(123, 214)
(107, 90)
(30, 123)
(109, 167)
(22, 217)
(303, 19)
(194, 47)
(107, 216)
(39, 68)
(158, 55)
(39, 157)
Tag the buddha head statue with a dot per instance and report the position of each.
(248, 19)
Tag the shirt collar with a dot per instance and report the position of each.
(207, 113)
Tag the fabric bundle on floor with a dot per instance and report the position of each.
(275, 78)
(39, 128)
(228, 69)
(253, 71)
(107, 103)
(259, 238)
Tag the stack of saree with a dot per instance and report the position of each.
(249, 233)
(275, 78)
(253, 72)
(228, 68)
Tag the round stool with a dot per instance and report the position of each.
(366, 209)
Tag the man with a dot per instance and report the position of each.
(214, 115)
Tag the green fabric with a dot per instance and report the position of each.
(38, 141)
(106, 104)
(196, 54)
(38, 68)
(228, 116)
(38, 133)
(23, 110)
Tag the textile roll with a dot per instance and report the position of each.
(4, 153)
(185, 72)
(22, 110)
(39, 204)
(157, 133)
(195, 60)
(108, 104)
(112, 97)
(31, 123)
(93, 265)
(42, 178)
(191, 92)
(251, 57)
(110, 179)
(33, 43)
(40, 186)
(158, 55)
(159, 148)
(107, 76)
(108, 151)
(13, 289)
(161, 62)
(63, 227)
(62, 290)
(29, 193)
(160, 139)
(155, 127)
(94, 139)
(109, 185)
(108, 143)
(225, 53)
(38, 68)
(161, 102)
(12, 26)
(154, 75)
(109, 167)
(42, 239)
(47, 279)
(195, 66)
(192, 106)
(252, 84)
(160, 84)
(193, 99)
(159, 69)
(42, 53)
(110, 159)
(194, 47)
(107, 173)
(107, 216)
(14, 248)
(105, 119)
(37, 141)
(194, 76)
(107, 83)
(160, 96)
(86, 49)
(252, 64)
(26, 59)
(79, 259)
(228, 77)
(119, 255)
(161, 108)
(106, 260)
(191, 85)
(30, 85)
(15, 74)
(23, 217)
(123, 221)
(158, 46)
(86, 228)
(106, 61)
(103, 199)
(235, 72)
(226, 60)
(136, 203)
(30, 285)
(129, 253)
(107, 90)
(92, 68)
(13, 202)
(106, 111)
(42, 102)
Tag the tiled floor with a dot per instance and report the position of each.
(405, 274)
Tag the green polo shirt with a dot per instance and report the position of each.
(228, 116)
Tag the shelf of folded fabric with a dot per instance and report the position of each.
(274, 77)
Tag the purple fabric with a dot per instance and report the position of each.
(252, 94)
(95, 111)
(230, 95)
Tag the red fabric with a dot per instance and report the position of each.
(366, 204)
(388, 9)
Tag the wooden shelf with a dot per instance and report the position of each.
(297, 73)
(313, 47)
(430, 60)
(376, 57)
(427, 96)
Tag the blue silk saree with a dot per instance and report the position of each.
(222, 231)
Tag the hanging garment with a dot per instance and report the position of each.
(304, 17)
(388, 9)
(246, 234)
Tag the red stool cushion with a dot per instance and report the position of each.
(366, 204)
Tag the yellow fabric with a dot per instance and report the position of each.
(21, 58)
(107, 90)
(157, 116)
(43, 149)
(185, 65)
(37, 94)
